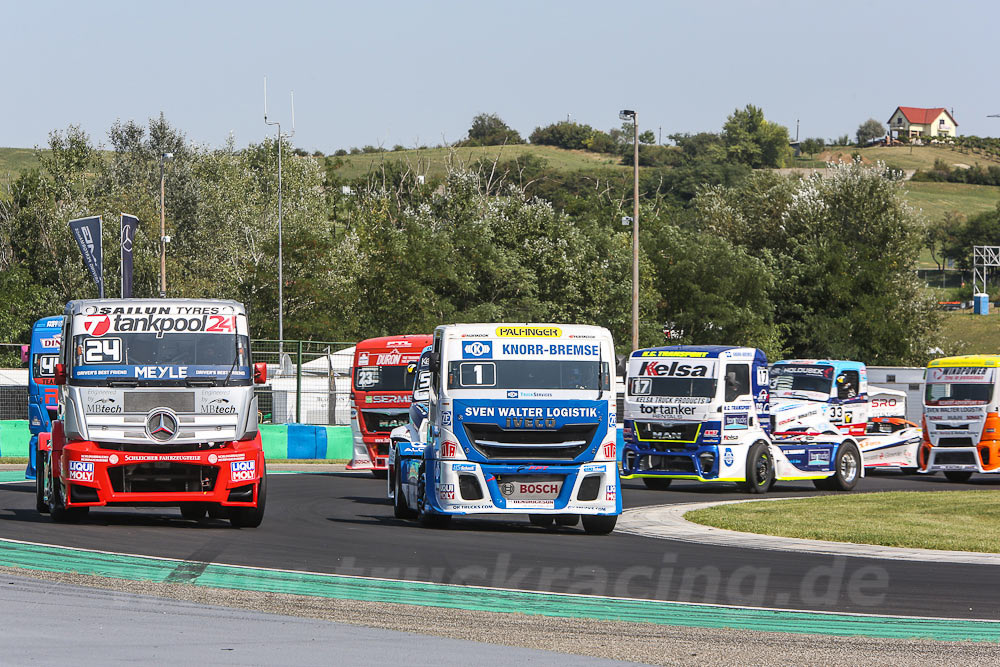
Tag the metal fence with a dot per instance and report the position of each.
(308, 382)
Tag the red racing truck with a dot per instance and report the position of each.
(156, 408)
(381, 392)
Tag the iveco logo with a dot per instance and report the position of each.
(161, 425)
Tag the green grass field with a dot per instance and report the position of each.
(977, 334)
(13, 161)
(913, 157)
(950, 520)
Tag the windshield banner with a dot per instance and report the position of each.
(676, 368)
(101, 320)
(129, 224)
(87, 232)
(961, 374)
(155, 372)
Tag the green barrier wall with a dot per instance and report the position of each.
(14, 436)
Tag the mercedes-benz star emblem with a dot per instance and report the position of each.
(161, 425)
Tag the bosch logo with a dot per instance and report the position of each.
(477, 349)
(161, 425)
(507, 488)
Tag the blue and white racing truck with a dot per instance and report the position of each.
(43, 393)
(703, 413)
(511, 419)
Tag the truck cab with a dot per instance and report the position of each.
(520, 419)
(960, 422)
(381, 378)
(156, 407)
(43, 394)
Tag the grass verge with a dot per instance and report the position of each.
(950, 520)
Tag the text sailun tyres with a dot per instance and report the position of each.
(156, 406)
(511, 419)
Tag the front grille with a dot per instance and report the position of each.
(562, 444)
(147, 447)
(144, 401)
(669, 463)
(379, 422)
(162, 477)
(954, 442)
(679, 432)
(955, 458)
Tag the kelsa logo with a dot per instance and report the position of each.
(675, 369)
(243, 471)
(477, 349)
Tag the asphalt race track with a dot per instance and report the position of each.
(341, 523)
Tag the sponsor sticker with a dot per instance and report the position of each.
(243, 471)
(477, 349)
(449, 449)
(737, 421)
(528, 332)
(446, 491)
(81, 471)
(727, 456)
(446, 417)
(463, 467)
(593, 468)
(611, 493)
(512, 393)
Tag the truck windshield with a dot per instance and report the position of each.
(382, 378)
(811, 379)
(958, 393)
(171, 358)
(673, 387)
(528, 374)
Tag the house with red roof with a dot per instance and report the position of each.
(917, 122)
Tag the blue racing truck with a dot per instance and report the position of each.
(703, 413)
(43, 393)
(520, 418)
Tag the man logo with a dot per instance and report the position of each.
(161, 425)
(477, 349)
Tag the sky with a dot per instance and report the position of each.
(384, 73)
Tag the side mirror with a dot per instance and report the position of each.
(60, 374)
(259, 373)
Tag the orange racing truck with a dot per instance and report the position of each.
(381, 393)
(156, 408)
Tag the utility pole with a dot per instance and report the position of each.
(281, 277)
(627, 114)
(164, 239)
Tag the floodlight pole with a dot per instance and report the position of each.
(626, 114)
(281, 280)
(163, 225)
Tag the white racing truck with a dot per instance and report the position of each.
(813, 398)
(156, 407)
(511, 419)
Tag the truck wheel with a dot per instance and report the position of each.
(847, 467)
(760, 469)
(657, 483)
(428, 519)
(57, 506)
(194, 511)
(251, 517)
(41, 475)
(400, 509)
(957, 475)
(568, 520)
(541, 520)
(599, 525)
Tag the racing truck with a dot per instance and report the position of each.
(703, 413)
(960, 422)
(156, 407)
(821, 397)
(43, 394)
(511, 419)
(380, 396)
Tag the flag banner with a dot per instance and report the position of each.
(87, 232)
(129, 224)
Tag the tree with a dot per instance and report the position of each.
(811, 146)
(564, 134)
(647, 137)
(488, 129)
(752, 140)
(869, 130)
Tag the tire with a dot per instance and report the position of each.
(541, 520)
(847, 467)
(657, 483)
(598, 525)
(428, 519)
(57, 506)
(400, 509)
(41, 504)
(760, 469)
(194, 511)
(251, 517)
(957, 476)
(567, 520)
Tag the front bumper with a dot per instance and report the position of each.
(97, 476)
(964, 459)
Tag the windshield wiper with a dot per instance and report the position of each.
(199, 382)
(236, 360)
(123, 383)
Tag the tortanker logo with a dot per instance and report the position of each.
(675, 369)
(477, 349)
(97, 325)
(161, 425)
